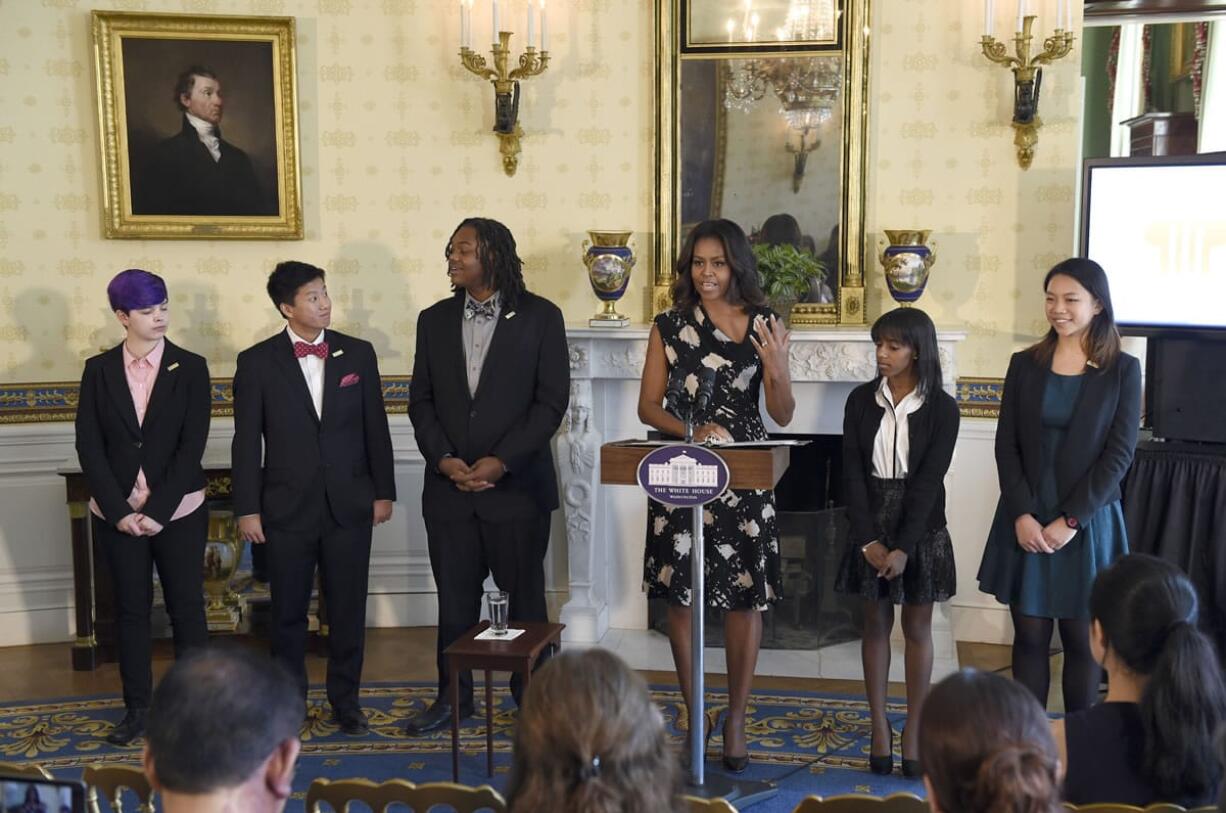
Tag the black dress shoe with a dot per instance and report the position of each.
(352, 722)
(130, 727)
(435, 716)
(912, 768)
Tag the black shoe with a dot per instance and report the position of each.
(131, 727)
(352, 722)
(912, 768)
(883, 765)
(435, 716)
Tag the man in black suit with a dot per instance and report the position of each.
(314, 398)
(491, 382)
(142, 424)
(197, 172)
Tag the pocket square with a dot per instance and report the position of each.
(350, 380)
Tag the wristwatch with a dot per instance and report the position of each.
(1071, 522)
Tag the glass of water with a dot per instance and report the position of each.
(498, 602)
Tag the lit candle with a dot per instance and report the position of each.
(532, 23)
(1068, 21)
(544, 27)
(731, 26)
(496, 28)
(465, 36)
(1060, 15)
(989, 13)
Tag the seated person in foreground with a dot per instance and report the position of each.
(1152, 739)
(986, 747)
(590, 740)
(222, 733)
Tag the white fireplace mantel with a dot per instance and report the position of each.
(605, 527)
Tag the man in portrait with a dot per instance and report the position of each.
(197, 172)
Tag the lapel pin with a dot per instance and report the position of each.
(174, 366)
(509, 315)
(338, 353)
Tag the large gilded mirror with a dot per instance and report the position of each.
(762, 120)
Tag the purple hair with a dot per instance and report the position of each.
(135, 289)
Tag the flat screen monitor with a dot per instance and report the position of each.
(1157, 226)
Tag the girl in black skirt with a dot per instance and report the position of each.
(898, 438)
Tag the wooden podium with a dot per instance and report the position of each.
(749, 467)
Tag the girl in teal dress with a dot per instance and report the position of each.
(1064, 441)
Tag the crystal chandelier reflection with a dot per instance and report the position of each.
(807, 87)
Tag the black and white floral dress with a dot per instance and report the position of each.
(740, 531)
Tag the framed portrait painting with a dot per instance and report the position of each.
(197, 116)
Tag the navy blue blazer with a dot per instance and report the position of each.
(932, 431)
(522, 396)
(1098, 449)
(168, 445)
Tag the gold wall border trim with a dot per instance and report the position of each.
(56, 401)
(979, 397)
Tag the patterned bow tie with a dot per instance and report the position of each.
(302, 350)
(483, 310)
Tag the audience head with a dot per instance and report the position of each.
(911, 331)
(590, 740)
(781, 230)
(723, 245)
(481, 255)
(986, 747)
(224, 722)
(1144, 616)
(135, 289)
(1077, 301)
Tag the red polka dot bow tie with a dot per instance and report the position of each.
(302, 349)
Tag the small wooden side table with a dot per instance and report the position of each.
(519, 654)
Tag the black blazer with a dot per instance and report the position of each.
(181, 178)
(932, 432)
(113, 447)
(521, 397)
(1099, 446)
(346, 457)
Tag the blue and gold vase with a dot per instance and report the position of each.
(906, 262)
(609, 259)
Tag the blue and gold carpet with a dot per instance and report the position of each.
(808, 743)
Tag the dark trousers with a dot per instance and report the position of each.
(343, 558)
(178, 553)
(462, 553)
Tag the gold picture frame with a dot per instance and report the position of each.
(672, 49)
(230, 173)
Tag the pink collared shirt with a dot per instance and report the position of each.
(141, 374)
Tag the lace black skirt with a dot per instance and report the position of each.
(930, 574)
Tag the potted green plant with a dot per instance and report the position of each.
(787, 275)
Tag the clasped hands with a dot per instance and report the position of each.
(480, 476)
(251, 526)
(137, 524)
(1035, 538)
(889, 564)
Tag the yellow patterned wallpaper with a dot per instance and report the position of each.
(395, 147)
(942, 158)
(395, 150)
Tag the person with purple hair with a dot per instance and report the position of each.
(142, 423)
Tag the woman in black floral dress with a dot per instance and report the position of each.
(718, 320)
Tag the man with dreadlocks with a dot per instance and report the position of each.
(491, 382)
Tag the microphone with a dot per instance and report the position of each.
(672, 396)
(706, 386)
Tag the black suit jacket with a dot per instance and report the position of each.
(113, 447)
(181, 178)
(346, 457)
(932, 431)
(1099, 446)
(521, 397)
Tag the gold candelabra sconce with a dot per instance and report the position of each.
(800, 155)
(532, 62)
(1028, 71)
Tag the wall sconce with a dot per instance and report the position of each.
(1027, 73)
(506, 82)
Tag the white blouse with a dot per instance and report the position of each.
(891, 445)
